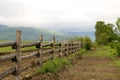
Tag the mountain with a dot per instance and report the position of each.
(28, 33)
(73, 29)
(81, 33)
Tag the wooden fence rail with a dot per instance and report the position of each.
(61, 50)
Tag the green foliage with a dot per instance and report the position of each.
(57, 64)
(29, 33)
(103, 39)
(53, 65)
(118, 24)
(6, 49)
(104, 33)
(116, 45)
(80, 52)
(116, 63)
(86, 42)
(106, 51)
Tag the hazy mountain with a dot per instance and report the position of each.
(73, 29)
(28, 33)
(81, 33)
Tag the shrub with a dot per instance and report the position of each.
(118, 49)
(86, 42)
(53, 65)
(116, 45)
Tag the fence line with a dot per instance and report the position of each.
(63, 49)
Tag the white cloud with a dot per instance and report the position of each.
(42, 12)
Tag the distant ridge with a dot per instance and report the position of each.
(28, 33)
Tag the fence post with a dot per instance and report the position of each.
(40, 50)
(71, 48)
(80, 45)
(76, 46)
(53, 47)
(61, 47)
(67, 48)
(18, 54)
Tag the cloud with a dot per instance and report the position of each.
(48, 12)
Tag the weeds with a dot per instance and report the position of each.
(58, 63)
(116, 63)
(106, 51)
(53, 65)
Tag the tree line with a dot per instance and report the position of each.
(108, 34)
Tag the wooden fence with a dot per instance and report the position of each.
(61, 50)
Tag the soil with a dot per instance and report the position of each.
(88, 68)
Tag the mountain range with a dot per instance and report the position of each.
(31, 33)
(28, 33)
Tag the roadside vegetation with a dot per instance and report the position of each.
(108, 38)
(58, 63)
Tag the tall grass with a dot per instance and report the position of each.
(106, 51)
(53, 65)
(58, 63)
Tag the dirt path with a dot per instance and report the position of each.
(89, 68)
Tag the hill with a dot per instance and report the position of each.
(81, 33)
(28, 33)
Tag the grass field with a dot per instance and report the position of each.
(9, 48)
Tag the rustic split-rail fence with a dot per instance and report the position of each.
(61, 50)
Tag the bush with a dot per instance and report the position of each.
(53, 65)
(118, 49)
(116, 45)
(86, 42)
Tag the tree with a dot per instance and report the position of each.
(118, 24)
(104, 33)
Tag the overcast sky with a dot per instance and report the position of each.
(41, 13)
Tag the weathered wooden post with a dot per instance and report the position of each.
(18, 54)
(80, 45)
(40, 50)
(76, 46)
(53, 47)
(67, 48)
(61, 47)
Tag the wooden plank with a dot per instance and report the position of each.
(30, 44)
(5, 44)
(7, 72)
(46, 45)
(30, 55)
(8, 57)
(48, 51)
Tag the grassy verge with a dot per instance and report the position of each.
(53, 65)
(116, 63)
(58, 63)
(105, 51)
